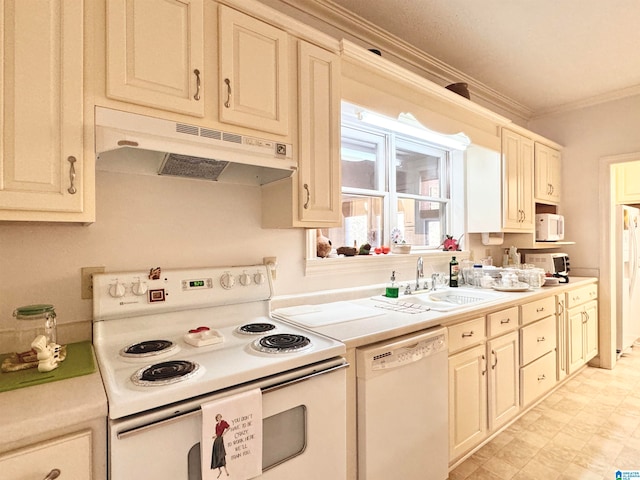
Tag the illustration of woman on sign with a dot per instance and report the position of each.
(218, 453)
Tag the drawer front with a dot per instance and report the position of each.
(502, 322)
(537, 339)
(582, 295)
(538, 378)
(466, 334)
(530, 312)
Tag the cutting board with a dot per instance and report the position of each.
(79, 361)
(326, 314)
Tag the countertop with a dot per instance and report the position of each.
(365, 331)
(40, 412)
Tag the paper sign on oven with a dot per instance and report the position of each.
(231, 445)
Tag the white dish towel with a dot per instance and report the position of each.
(237, 453)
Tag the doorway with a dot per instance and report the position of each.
(608, 196)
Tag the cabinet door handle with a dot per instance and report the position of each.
(72, 176)
(495, 356)
(55, 473)
(228, 102)
(484, 361)
(467, 334)
(541, 339)
(561, 305)
(306, 189)
(197, 95)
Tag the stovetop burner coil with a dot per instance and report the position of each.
(165, 373)
(148, 348)
(282, 343)
(257, 328)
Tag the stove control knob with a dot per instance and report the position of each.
(117, 290)
(259, 278)
(227, 281)
(139, 288)
(245, 279)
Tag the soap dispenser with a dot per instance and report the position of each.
(392, 290)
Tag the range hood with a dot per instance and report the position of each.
(143, 145)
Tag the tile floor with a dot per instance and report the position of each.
(586, 430)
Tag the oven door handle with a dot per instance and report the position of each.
(287, 383)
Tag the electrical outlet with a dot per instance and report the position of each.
(272, 263)
(86, 283)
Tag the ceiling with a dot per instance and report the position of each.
(546, 55)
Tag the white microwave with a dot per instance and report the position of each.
(549, 227)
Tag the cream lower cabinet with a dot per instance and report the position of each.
(155, 54)
(42, 167)
(483, 378)
(538, 342)
(67, 458)
(582, 323)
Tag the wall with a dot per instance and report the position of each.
(142, 222)
(589, 134)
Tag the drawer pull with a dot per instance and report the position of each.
(467, 334)
(541, 309)
(55, 473)
(541, 339)
(542, 377)
(506, 320)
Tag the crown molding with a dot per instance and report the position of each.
(369, 35)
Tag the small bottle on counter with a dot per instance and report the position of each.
(454, 270)
(477, 276)
(392, 290)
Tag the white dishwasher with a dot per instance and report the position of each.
(403, 408)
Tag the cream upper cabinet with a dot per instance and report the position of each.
(155, 54)
(518, 207)
(254, 73)
(65, 457)
(312, 197)
(41, 111)
(319, 175)
(627, 182)
(547, 174)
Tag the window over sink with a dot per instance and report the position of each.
(397, 182)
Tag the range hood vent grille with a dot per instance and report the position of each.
(192, 167)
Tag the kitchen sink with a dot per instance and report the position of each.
(448, 299)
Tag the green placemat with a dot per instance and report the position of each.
(79, 361)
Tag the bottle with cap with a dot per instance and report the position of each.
(454, 270)
(392, 290)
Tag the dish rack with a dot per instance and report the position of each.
(458, 299)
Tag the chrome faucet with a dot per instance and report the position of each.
(419, 272)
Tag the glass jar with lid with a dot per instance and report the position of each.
(34, 320)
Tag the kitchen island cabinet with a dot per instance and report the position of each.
(44, 174)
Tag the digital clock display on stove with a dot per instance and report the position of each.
(197, 283)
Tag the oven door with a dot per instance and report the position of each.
(304, 431)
